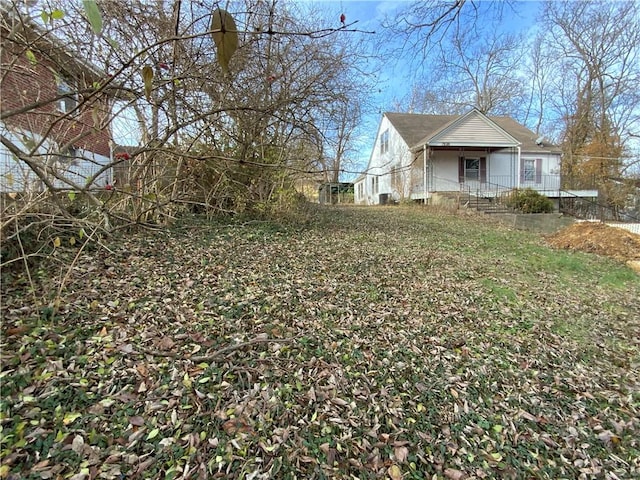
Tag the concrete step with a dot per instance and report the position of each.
(484, 205)
(481, 204)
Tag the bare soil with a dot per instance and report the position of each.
(600, 239)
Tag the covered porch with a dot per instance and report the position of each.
(483, 171)
(485, 157)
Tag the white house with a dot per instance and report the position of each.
(419, 156)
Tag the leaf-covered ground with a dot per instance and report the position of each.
(366, 343)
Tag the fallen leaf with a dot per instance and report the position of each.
(527, 416)
(166, 343)
(608, 437)
(16, 331)
(126, 348)
(454, 474)
(142, 369)
(77, 445)
(71, 417)
(144, 465)
(136, 421)
(80, 476)
(401, 454)
(394, 472)
(339, 401)
(236, 425)
(40, 465)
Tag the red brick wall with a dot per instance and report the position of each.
(24, 84)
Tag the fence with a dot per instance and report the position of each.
(592, 209)
(632, 227)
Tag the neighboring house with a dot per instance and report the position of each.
(418, 157)
(51, 110)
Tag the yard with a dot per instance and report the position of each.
(363, 343)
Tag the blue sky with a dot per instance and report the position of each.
(396, 78)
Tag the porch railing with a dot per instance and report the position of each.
(494, 186)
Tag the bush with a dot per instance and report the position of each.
(529, 201)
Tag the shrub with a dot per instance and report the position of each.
(529, 201)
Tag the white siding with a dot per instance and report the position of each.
(473, 130)
(549, 172)
(16, 176)
(445, 172)
(381, 166)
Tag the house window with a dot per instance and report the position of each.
(374, 185)
(531, 170)
(528, 170)
(384, 142)
(70, 100)
(471, 168)
(396, 179)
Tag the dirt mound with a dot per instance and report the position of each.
(598, 238)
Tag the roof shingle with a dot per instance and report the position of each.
(414, 127)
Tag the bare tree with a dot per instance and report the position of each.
(424, 24)
(598, 82)
(287, 77)
(539, 72)
(473, 69)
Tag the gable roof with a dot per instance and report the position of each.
(472, 128)
(458, 130)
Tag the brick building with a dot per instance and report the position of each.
(54, 116)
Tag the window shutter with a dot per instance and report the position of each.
(483, 169)
(538, 170)
(460, 169)
(522, 169)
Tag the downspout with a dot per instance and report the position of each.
(424, 171)
(518, 166)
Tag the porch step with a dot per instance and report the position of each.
(481, 204)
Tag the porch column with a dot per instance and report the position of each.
(424, 171)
